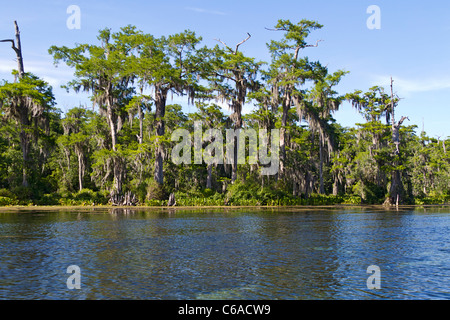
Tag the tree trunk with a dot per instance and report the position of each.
(17, 47)
(25, 145)
(172, 201)
(321, 188)
(241, 92)
(336, 185)
(424, 184)
(235, 162)
(141, 124)
(286, 107)
(309, 184)
(209, 178)
(234, 165)
(112, 127)
(80, 169)
(282, 150)
(116, 191)
(19, 51)
(118, 177)
(24, 138)
(160, 104)
(397, 190)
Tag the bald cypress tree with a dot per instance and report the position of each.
(103, 71)
(289, 71)
(232, 77)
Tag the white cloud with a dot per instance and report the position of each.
(6, 66)
(43, 69)
(201, 10)
(407, 87)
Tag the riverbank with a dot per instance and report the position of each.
(183, 208)
(237, 195)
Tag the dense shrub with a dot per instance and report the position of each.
(6, 201)
(155, 191)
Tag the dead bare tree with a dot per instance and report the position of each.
(21, 104)
(397, 190)
(17, 47)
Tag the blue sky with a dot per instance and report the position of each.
(412, 46)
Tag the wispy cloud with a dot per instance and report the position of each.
(410, 86)
(207, 11)
(44, 69)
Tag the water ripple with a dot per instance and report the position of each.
(322, 254)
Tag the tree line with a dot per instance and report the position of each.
(118, 151)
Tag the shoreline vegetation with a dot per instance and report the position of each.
(290, 209)
(120, 151)
(88, 198)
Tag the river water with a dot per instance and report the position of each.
(289, 253)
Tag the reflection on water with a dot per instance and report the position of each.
(226, 254)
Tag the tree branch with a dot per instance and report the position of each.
(223, 43)
(224, 76)
(281, 29)
(313, 45)
(13, 45)
(401, 121)
(18, 50)
(392, 102)
(11, 40)
(237, 46)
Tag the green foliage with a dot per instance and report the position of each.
(85, 156)
(6, 193)
(155, 191)
(438, 199)
(6, 201)
(7, 198)
(23, 194)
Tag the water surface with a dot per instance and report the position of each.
(290, 253)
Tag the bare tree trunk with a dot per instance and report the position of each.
(24, 138)
(81, 168)
(397, 190)
(19, 51)
(17, 47)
